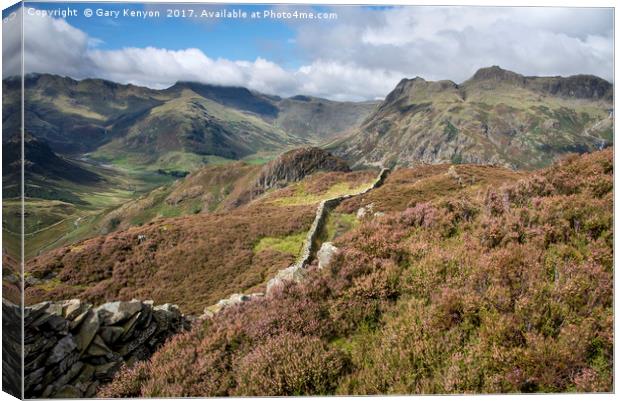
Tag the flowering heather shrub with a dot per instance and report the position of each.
(509, 289)
(289, 365)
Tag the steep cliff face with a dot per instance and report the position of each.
(577, 86)
(497, 117)
(296, 164)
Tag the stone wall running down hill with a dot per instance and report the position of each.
(71, 347)
(296, 271)
(311, 245)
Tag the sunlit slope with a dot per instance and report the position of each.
(497, 117)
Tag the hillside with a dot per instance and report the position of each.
(184, 126)
(218, 188)
(497, 288)
(191, 124)
(497, 116)
(201, 258)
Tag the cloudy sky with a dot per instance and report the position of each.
(360, 55)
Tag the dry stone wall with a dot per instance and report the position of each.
(296, 271)
(71, 347)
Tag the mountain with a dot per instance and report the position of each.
(324, 119)
(41, 162)
(497, 117)
(303, 116)
(128, 124)
(191, 124)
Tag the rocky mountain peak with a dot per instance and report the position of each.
(498, 74)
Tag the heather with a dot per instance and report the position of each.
(192, 261)
(499, 288)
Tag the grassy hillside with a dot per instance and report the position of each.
(64, 198)
(506, 288)
(497, 117)
(200, 258)
(206, 190)
(191, 124)
(311, 117)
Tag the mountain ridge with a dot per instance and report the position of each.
(497, 116)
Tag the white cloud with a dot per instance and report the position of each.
(452, 42)
(11, 44)
(360, 56)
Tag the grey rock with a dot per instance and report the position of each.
(33, 378)
(326, 254)
(57, 323)
(110, 334)
(70, 374)
(54, 308)
(48, 391)
(88, 331)
(129, 327)
(86, 374)
(61, 350)
(116, 312)
(168, 308)
(98, 347)
(107, 371)
(79, 319)
(72, 308)
(91, 390)
(292, 273)
(365, 210)
(68, 391)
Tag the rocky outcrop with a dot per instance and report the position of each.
(71, 347)
(296, 164)
(575, 86)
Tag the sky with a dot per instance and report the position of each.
(361, 54)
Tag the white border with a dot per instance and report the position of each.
(552, 3)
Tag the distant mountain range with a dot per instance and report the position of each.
(120, 122)
(497, 116)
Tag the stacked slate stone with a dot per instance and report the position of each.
(70, 347)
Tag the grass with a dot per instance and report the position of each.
(302, 197)
(291, 244)
(338, 224)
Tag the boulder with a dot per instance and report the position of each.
(98, 347)
(72, 308)
(365, 211)
(326, 254)
(70, 374)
